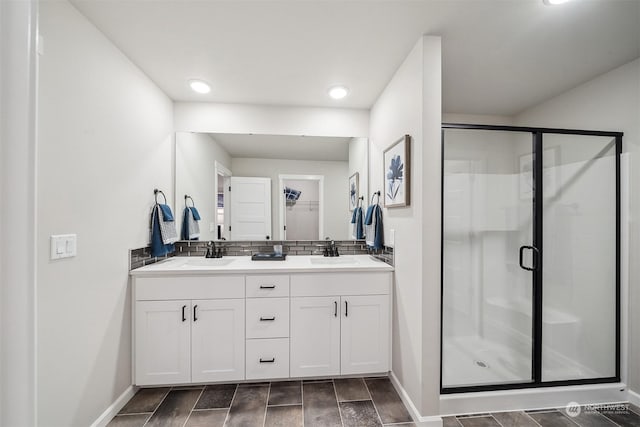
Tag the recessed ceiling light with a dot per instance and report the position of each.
(338, 92)
(554, 2)
(199, 86)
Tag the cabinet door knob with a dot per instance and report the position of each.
(346, 309)
(194, 312)
(335, 309)
(273, 359)
(184, 318)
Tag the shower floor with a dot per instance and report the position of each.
(474, 360)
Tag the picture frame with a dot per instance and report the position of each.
(397, 173)
(354, 191)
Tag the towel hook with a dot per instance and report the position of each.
(377, 193)
(155, 193)
(186, 196)
(359, 202)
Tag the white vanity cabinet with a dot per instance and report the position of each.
(212, 326)
(340, 324)
(189, 329)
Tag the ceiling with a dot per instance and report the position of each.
(499, 56)
(284, 147)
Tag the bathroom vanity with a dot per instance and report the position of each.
(200, 320)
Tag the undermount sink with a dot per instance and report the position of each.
(206, 262)
(333, 260)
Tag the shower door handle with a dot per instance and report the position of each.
(536, 255)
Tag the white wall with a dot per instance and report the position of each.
(196, 154)
(18, 72)
(411, 104)
(336, 210)
(270, 120)
(608, 102)
(477, 119)
(105, 142)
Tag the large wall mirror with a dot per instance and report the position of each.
(271, 187)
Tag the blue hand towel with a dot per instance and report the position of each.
(166, 212)
(358, 225)
(195, 213)
(373, 227)
(369, 217)
(190, 228)
(167, 224)
(158, 248)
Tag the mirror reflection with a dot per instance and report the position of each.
(270, 187)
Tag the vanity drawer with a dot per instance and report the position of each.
(336, 284)
(267, 317)
(267, 358)
(184, 287)
(268, 285)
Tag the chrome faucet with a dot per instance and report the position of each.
(331, 250)
(212, 251)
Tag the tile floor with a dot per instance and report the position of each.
(597, 416)
(349, 402)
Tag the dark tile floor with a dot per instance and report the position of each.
(589, 416)
(340, 402)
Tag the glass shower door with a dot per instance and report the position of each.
(488, 257)
(580, 257)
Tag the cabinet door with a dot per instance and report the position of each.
(217, 340)
(162, 352)
(315, 336)
(365, 334)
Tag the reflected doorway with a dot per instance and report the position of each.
(222, 220)
(301, 207)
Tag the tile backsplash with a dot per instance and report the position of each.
(142, 256)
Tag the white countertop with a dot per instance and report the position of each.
(244, 264)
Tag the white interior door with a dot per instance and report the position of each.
(250, 208)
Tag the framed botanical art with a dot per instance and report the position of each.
(354, 191)
(397, 173)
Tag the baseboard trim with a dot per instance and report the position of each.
(115, 407)
(634, 397)
(435, 421)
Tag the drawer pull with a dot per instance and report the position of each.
(273, 359)
(265, 319)
(267, 286)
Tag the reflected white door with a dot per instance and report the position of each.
(250, 208)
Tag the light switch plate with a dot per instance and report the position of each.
(63, 246)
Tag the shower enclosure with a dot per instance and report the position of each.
(531, 261)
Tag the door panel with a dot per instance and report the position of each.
(364, 334)
(315, 336)
(487, 294)
(579, 292)
(162, 350)
(218, 340)
(250, 208)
